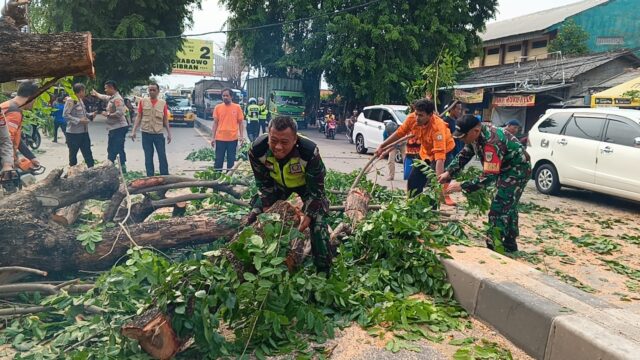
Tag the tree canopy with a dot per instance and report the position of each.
(366, 52)
(128, 62)
(572, 39)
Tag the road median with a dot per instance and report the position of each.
(546, 318)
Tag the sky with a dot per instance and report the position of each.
(212, 17)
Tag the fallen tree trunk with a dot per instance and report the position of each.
(68, 215)
(44, 55)
(28, 237)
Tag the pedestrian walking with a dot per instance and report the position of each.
(436, 143)
(77, 119)
(264, 115)
(505, 163)
(227, 131)
(284, 163)
(116, 122)
(153, 114)
(58, 119)
(390, 128)
(253, 120)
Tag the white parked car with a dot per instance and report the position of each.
(368, 130)
(593, 149)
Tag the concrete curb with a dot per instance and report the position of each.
(546, 318)
(204, 126)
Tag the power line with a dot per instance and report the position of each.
(243, 29)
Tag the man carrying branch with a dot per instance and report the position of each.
(436, 143)
(284, 163)
(504, 162)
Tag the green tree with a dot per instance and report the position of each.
(374, 51)
(571, 39)
(366, 53)
(129, 62)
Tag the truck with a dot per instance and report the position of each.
(283, 96)
(208, 93)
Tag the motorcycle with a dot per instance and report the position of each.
(330, 132)
(31, 136)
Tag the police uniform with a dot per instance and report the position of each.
(301, 172)
(263, 117)
(505, 163)
(253, 126)
(117, 125)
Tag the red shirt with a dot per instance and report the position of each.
(154, 102)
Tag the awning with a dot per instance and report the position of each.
(613, 97)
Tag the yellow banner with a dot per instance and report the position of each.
(195, 58)
(469, 97)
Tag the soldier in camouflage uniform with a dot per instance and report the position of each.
(504, 162)
(284, 163)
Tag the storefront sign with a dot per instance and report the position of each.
(515, 100)
(195, 58)
(469, 97)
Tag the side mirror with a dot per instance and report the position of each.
(636, 141)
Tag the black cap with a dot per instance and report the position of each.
(464, 125)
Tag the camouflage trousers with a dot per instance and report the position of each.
(319, 231)
(503, 215)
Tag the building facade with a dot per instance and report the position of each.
(611, 25)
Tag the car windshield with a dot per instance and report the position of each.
(178, 102)
(401, 114)
(290, 100)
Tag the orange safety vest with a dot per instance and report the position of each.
(11, 114)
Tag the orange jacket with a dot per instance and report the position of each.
(13, 116)
(435, 137)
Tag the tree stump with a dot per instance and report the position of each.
(153, 331)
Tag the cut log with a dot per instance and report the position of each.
(44, 55)
(153, 331)
(68, 215)
(356, 205)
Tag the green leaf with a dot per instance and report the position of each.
(200, 294)
(180, 309)
(249, 276)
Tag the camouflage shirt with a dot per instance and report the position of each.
(301, 172)
(500, 153)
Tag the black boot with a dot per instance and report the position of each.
(510, 245)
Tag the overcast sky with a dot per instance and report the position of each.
(213, 16)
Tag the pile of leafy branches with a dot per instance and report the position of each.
(264, 310)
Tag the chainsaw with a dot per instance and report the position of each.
(13, 180)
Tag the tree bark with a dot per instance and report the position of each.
(68, 215)
(29, 238)
(30, 56)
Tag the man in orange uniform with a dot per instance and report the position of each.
(436, 142)
(11, 117)
(227, 130)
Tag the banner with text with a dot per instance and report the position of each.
(469, 97)
(515, 100)
(195, 58)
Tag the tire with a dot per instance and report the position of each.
(360, 148)
(546, 179)
(398, 158)
(37, 140)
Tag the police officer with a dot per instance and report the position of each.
(263, 115)
(116, 122)
(504, 162)
(253, 117)
(284, 163)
